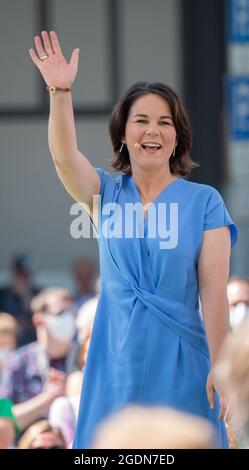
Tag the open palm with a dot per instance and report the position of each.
(49, 59)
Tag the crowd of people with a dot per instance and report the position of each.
(44, 339)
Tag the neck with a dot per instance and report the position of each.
(58, 350)
(54, 349)
(152, 181)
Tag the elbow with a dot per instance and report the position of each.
(61, 162)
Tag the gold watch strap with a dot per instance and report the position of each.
(54, 89)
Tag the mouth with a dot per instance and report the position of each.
(151, 147)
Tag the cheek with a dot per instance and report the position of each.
(132, 131)
(169, 135)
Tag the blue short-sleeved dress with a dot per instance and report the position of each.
(148, 343)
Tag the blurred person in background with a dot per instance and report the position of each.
(42, 435)
(141, 427)
(238, 298)
(8, 424)
(232, 374)
(15, 298)
(8, 337)
(35, 374)
(84, 321)
(148, 308)
(63, 412)
(84, 275)
(73, 389)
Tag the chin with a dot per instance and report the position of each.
(156, 162)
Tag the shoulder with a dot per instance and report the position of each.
(108, 180)
(23, 354)
(199, 188)
(202, 194)
(208, 206)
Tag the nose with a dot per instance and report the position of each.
(152, 132)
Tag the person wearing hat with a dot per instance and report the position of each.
(15, 298)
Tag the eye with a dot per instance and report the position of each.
(166, 123)
(141, 120)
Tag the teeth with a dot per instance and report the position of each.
(151, 146)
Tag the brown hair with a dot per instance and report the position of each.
(40, 301)
(180, 164)
(35, 430)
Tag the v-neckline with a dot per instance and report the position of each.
(158, 196)
(154, 201)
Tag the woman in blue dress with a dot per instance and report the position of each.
(164, 243)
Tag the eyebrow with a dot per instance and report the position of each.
(145, 116)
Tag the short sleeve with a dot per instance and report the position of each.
(8, 378)
(104, 177)
(217, 215)
(107, 184)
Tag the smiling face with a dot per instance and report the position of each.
(150, 134)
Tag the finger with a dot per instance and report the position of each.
(55, 43)
(60, 378)
(222, 411)
(47, 43)
(224, 408)
(210, 396)
(58, 375)
(75, 58)
(34, 57)
(52, 371)
(228, 414)
(39, 47)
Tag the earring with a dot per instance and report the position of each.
(121, 148)
(174, 151)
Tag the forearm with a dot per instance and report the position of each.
(61, 129)
(31, 410)
(215, 311)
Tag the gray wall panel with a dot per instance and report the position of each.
(83, 24)
(34, 206)
(151, 41)
(18, 77)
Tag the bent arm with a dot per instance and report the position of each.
(213, 273)
(31, 410)
(74, 170)
(35, 408)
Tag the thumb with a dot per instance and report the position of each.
(75, 58)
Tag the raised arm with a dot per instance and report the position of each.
(74, 170)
